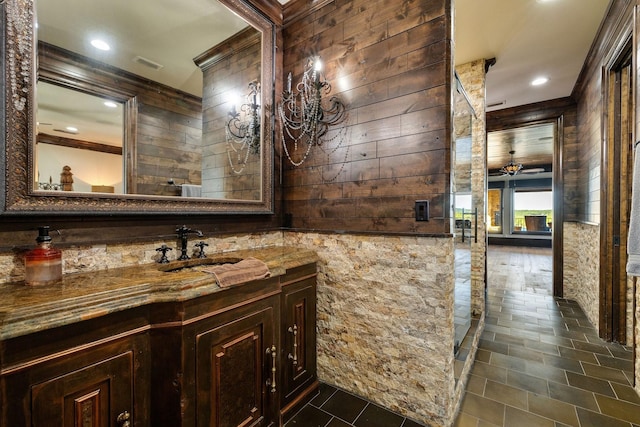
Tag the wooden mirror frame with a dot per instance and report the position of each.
(17, 96)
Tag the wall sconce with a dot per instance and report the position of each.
(243, 130)
(304, 121)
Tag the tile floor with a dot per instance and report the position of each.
(337, 408)
(540, 363)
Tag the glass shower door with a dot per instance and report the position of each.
(464, 213)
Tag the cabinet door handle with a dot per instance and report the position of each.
(272, 381)
(123, 419)
(294, 331)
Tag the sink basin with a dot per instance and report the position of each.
(195, 263)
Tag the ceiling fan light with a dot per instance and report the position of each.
(511, 168)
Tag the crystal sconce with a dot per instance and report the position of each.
(304, 120)
(243, 130)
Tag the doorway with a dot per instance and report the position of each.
(537, 129)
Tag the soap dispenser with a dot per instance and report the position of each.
(43, 264)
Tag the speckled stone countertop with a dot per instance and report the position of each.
(82, 296)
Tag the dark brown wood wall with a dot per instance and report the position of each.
(227, 70)
(390, 63)
(589, 94)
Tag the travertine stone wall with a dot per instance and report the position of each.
(385, 320)
(582, 267)
(100, 257)
(385, 310)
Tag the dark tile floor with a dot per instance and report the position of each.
(540, 363)
(337, 408)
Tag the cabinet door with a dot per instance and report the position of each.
(299, 338)
(98, 395)
(235, 372)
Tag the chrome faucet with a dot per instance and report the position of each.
(183, 235)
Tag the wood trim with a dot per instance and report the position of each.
(240, 41)
(66, 353)
(558, 210)
(44, 138)
(618, 127)
(271, 9)
(295, 10)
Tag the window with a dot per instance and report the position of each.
(532, 211)
(494, 206)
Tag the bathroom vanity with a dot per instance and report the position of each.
(141, 346)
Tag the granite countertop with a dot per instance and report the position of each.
(82, 296)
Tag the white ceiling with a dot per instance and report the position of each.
(528, 38)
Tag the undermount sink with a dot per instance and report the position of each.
(193, 264)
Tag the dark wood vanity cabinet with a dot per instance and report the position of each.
(237, 366)
(244, 356)
(98, 395)
(50, 381)
(298, 337)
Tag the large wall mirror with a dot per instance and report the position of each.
(144, 106)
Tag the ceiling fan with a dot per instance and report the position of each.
(512, 168)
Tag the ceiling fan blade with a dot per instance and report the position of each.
(532, 170)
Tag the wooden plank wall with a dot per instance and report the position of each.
(227, 70)
(390, 64)
(588, 92)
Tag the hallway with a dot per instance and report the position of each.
(540, 362)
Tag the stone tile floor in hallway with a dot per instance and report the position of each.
(337, 408)
(540, 363)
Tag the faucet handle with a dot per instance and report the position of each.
(201, 245)
(164, 249)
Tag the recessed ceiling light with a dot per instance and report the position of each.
(71, 129)
(544, 1)
(110, 104)
(539, 81)
(100, 44)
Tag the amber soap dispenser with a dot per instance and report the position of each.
(43, 264)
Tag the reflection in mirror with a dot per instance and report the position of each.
(83, 133)
(174, 68)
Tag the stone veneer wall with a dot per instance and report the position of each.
(582, 267)
(385, 320)
(100, 257)
(385, 310)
